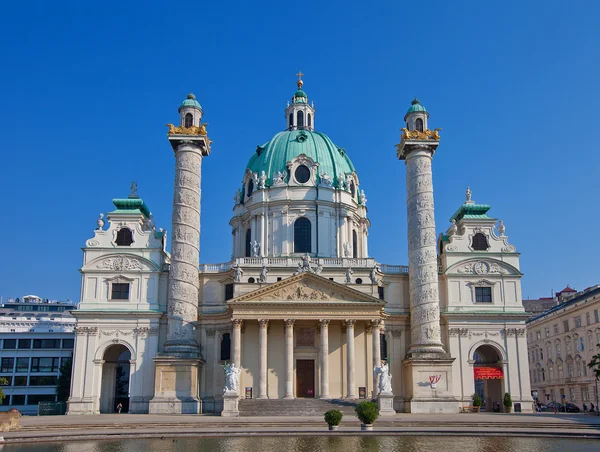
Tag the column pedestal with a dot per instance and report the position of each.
(420, 396)
(176, 386)
(385, 402)
(230, 404)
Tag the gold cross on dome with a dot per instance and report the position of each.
(299, 75)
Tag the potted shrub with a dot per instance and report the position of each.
(333, 419)
(476, 403)
(507, 402)
(367, 412)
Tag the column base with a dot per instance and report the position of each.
(385, 402)
(421, 395)
(230, 404)
(262, 397)
(176, 386)
(289, 397)
(84, 405)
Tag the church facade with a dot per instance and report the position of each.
(301, 307)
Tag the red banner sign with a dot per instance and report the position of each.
(487, 373)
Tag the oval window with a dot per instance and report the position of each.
(302, 174)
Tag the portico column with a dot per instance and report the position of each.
(289, 359)
(324, 359)
(236, 342)
(375, 324)
(262, 358)
(350, 394)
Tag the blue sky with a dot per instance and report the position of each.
(86, 88)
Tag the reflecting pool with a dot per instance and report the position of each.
(335, 443)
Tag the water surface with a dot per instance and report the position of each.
(321, 443)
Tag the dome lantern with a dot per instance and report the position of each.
(299, 114)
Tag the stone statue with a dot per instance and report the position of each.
(255, 248)
(255, 179)
(263, 181)
(326, 180)
(149, 223)
(385, 378)
(237, 273)
(279, 178)
(347, 249)
(373, 275)
(303, 265)
(232, 378)
(236, 197)
(453, 228)
(348, 182)
(363, 198)
(340, 181)
(501, 228)
(133, 188)
(468, 194)
(349, 274)
(263, 275)
(100, 222)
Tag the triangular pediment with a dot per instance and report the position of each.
(307, 287)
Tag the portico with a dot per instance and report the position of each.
(316, 338)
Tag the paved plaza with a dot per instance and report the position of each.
(115, 426)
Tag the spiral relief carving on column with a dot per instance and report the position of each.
(185, 250)
(423, 272)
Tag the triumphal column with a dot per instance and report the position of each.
(426, 358)
(177, 368)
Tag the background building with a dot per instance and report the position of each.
(35, 337)
(539, 305)
(560, 344)
(301, 306)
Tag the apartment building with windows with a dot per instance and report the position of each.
(560, 343)
(36, 336)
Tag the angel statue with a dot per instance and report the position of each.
(385, 378)
(232, 378)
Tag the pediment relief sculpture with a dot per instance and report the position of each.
(483, 267)
(307, 287)
(302, 292)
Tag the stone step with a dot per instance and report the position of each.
(295, 407)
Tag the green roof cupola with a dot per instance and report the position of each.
(416, 116)
(190, 112)
(299, 114)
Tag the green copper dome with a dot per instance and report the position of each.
(190, 101)
(272, 157)
(416, 106)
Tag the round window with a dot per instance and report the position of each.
(302, 174)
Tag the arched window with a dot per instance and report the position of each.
(124, 237)
(302, 235)
(226, 347)
(480, 242)
(419, 124)
(353, 189)
(291, 120)
(248, 242)
(354, 244)
(300, 119)
(309, 120)
(250, 188)
(189, 120)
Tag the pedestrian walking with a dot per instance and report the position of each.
(119, 407)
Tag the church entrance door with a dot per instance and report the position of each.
(305, 378)
(115, 379)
